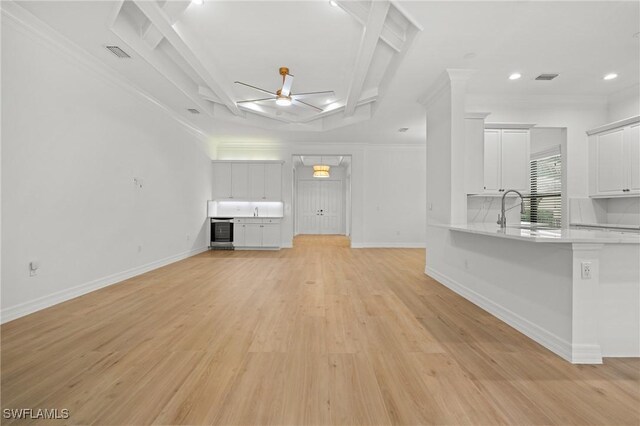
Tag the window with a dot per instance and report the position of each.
(545, 203)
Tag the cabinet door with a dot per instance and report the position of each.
(256, 181)
(239, 234)
(610, 161)
(492, 160)
(514, 161)
(221, 181)
(240, 181)
(253, 235)
(273, 182)
(632, 142)
(271, 235)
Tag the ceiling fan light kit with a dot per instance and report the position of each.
(283, 96)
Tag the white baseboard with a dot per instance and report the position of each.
(14, 312)
(556, 344)
(387, 245)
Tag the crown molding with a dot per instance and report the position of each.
(48, 37)
(572, 101)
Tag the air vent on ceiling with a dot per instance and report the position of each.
(546, 77)
(403, 129)
(193, 111)
(118, 52)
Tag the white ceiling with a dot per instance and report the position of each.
(322, 46)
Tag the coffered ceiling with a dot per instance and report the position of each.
(378, 57)
(207, 51)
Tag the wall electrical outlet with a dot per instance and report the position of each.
(586, 270)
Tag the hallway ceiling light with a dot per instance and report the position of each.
(320, 171)
(610, 76)
(515, 76)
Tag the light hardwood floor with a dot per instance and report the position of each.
(319, 334)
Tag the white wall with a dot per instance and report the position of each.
(389, 176)
(72, 143)
(624, 104)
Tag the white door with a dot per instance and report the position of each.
(610, 162)
(221, 181)
(514, 163)
(320, 209)
(491, 160)
(633, 145)
(309, 207)
(331, 207)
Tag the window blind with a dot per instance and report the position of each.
(544, 205)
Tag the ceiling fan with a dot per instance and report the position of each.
(283, 96)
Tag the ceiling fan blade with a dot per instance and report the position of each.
(286, 85)
(309, 94)
(254, 87)
(256, 100)
(296, 101)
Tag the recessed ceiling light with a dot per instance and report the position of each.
(403, 129)
(515, 76)
(333, 3)
(193, 111)
(610, 76)
(198, 2)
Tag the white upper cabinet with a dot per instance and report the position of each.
(506, 160)
(515, 160)
(614, 159)
(273, 181)
(633, 146)
(257, 181)
(240, 181)
(221, 181)
(492, 181)
(247, 181)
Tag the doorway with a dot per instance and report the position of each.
(321, 204)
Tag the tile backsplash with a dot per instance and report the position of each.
(486, 209)
(611, 211)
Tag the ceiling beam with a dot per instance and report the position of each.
(173, 9)
(372, 30)
(190, 51)
(360, 14)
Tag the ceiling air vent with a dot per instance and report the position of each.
(403, 129)
(193, 111)
(118, 52)
(546, 77)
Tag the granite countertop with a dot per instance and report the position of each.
(563, 235)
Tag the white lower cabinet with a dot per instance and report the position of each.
(256, 233)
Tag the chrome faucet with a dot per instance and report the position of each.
(255, 212)
(502, 218)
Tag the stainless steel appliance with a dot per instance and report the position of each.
(221, 233)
